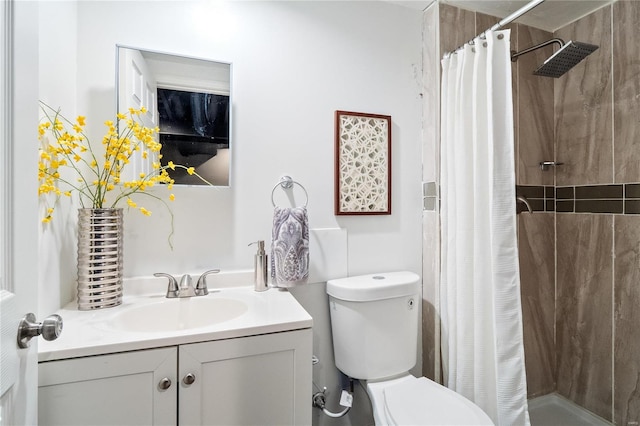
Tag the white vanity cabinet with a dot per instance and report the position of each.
(255, 380)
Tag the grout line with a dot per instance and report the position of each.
(613, 237)
(613, 315)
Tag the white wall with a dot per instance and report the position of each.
(294, 64)
(57, 87)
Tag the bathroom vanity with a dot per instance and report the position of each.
(246, 365)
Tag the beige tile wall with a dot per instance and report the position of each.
(430, 219)
(626, 90)
(597, 135)
(584, 302)
(583, 106)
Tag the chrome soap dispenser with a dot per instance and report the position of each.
(260, 274)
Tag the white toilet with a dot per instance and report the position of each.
(374, 320)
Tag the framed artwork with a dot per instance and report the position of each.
(362, 164)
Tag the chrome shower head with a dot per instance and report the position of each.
(568, 56)
(563, 60)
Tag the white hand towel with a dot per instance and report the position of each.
(290, 246)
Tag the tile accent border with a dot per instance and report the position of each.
(605, 199)
(541, 198)
(430, 196)
(608, 198)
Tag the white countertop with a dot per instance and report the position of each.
(87, 333)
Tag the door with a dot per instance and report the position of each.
(131, 388)
(258, 380)
(19, 207)
(137, 88)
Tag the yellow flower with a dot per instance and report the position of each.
(62, 143)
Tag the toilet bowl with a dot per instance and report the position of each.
(374, 322)
(409, 400)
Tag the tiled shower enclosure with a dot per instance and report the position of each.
(580, 249)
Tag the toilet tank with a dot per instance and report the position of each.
(374, 321)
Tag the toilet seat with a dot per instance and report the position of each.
(419, 401)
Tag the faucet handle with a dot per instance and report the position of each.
(172, 290)
(201, 285)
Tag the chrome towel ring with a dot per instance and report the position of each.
(287, 182)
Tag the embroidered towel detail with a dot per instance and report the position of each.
(290, 246)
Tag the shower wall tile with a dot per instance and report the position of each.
(430, 284)
(456, 27)
(584, 311)
(536, 239)
(430, 94)
(583, 106)
(535, 110)
(626, 320)
(430, 173)
(626, 90)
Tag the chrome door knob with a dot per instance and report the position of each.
(49, 329)
(189, 379)
(164, 384)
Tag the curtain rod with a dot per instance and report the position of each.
(515, 15)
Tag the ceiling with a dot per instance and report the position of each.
(550, 15)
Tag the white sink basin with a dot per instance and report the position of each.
(178, 314)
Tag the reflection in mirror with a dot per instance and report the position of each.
(189, 99)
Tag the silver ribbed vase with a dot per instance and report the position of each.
(100, 259)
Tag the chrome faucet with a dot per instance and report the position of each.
(186, 289)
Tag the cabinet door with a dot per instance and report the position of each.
(259, 380)
(118, 389)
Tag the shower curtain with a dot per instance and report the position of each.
(482, 345)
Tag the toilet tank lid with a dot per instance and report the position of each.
(379, 286)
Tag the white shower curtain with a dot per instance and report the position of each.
(482, 345)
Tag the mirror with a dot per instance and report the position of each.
(189, 99)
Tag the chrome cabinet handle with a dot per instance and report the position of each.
(49, 329)
(189, 379)
(164, 384)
